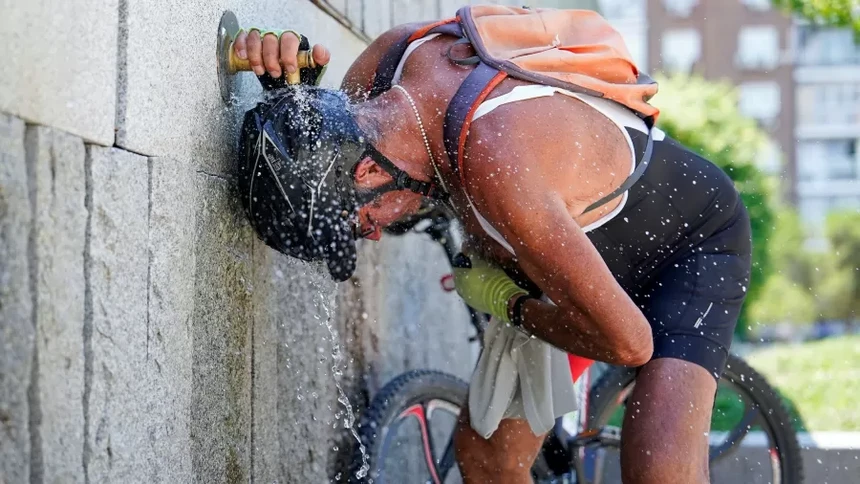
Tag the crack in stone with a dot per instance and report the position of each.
(149, 253)
(253, 395)
(122, 71)
(219, 177)
(31, 155)
(104, 335)
(88, 313)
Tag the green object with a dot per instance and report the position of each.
(812, 283)
(819, 378)
(486, 288)
(835, 13)
(320, 75)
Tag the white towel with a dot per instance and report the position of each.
(519, 376)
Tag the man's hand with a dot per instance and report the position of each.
(273, 55)
(484, 287)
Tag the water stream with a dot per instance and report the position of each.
(337, 372)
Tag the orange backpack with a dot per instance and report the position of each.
(576, 50)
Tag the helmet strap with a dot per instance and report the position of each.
(402, 180)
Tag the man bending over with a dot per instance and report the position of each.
(652, 277)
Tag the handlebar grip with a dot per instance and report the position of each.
(304, 58)
(461, 261)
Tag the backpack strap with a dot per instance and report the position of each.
(474, 90)
(458, 117)
(388, 64)
(637, 173)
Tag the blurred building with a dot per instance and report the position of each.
(746, 42)
(800, 82)
(629, 18)
(827, 76)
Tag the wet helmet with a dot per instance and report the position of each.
(298, 150)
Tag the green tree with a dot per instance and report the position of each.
(782, 300)
(788, 257)
(838, 13)
(704, 116)
(807, 285)
(786, 296)
(839, 287)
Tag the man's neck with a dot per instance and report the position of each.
(389, 120)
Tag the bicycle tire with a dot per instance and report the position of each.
(739, 373)
(400, 393)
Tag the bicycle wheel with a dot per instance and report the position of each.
(746, 407)
(407, 430)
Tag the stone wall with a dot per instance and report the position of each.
(146, 335)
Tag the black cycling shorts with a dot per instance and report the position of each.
(693, 303)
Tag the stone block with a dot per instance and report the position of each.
(265, 443)
(404, 11)
(170, 102)
(377, 17)
(221, 336)
(295, 395)
(172, 259)
(58, 188)
(339, 5)
(121, 370)
(448, 8)
(412, 322)
(310, 347)
(60, 64)
(16, 310)
(355, 13)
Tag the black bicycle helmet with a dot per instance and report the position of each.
(298, 150)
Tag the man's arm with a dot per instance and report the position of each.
(593, 316)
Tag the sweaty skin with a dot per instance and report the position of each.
(532, 184)
(531, 170)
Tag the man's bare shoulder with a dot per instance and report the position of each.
(557, 146)
(361, 72)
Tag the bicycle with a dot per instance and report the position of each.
(582, 448)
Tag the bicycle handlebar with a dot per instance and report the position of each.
(434, 221)
(440, 230)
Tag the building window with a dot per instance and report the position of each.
(823, 46)
(622, 9)
(681, 48)
(758, 47)
(760, 5)
(831, 103)
(769, 158)
(814, 210)
(827, 160)
(680, 8)
(760, 100)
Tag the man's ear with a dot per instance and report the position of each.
(368, 174)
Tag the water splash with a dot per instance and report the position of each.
(337, 372)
